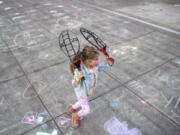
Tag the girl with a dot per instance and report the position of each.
(84, 81)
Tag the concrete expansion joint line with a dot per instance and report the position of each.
(39, 125)
(44, 68)
(153, 106)
(139, 97)
(132, 39)
(116, 78)
(159, 27)
(52, 118)
(150, 70)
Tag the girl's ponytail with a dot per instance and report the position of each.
(75, 62)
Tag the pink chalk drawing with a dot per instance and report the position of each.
(29, 118)
(115, 127)
(34, 118)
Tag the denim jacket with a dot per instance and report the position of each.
(89, 81)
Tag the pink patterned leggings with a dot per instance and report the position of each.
(83, 103)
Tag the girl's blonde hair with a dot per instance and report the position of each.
(88, 53)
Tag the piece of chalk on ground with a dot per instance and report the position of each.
(42, 133)
(54, 132)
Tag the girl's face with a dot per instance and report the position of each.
(93, 62)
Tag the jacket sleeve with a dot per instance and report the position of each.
(103, 66)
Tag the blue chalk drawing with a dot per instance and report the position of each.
(115, 103)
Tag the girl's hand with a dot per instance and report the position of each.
(77, 79)
(79, 76)
(110, 60)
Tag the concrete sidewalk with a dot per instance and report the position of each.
(142, 89)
